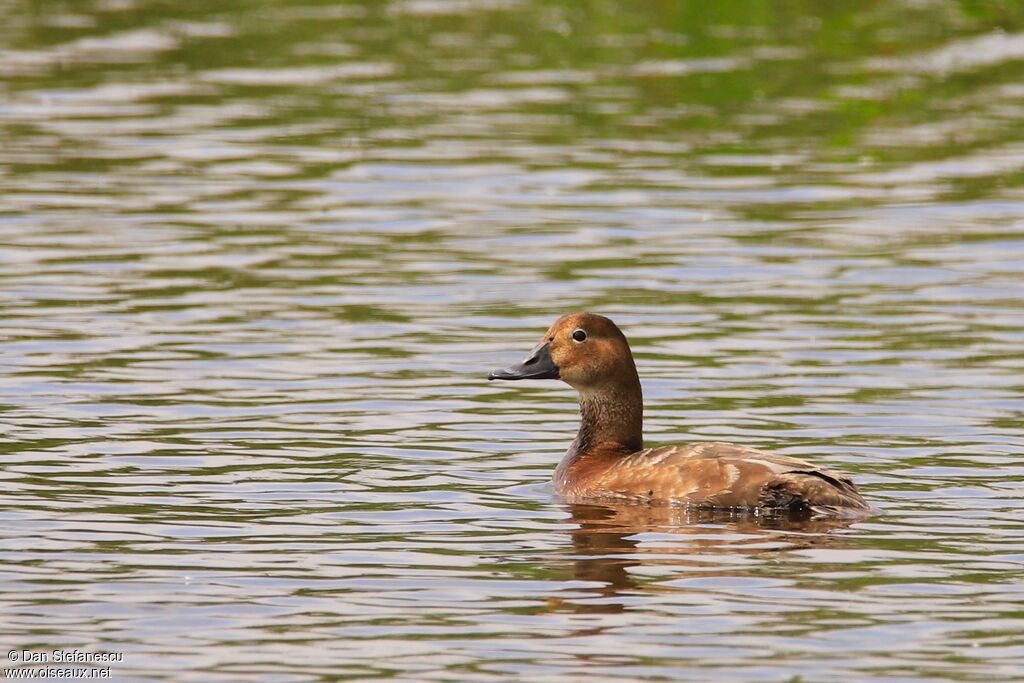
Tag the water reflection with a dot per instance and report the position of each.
(608, 541)
(254, 257)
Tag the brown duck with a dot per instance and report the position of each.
(607, 460)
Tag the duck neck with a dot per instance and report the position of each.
(611, 419)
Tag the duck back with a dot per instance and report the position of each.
(709, 474)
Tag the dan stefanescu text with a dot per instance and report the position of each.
(64, 656)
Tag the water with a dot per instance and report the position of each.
(256, 260)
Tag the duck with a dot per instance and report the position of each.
(607, 460)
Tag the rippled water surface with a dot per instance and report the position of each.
(257, 258)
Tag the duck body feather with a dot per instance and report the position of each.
(711, 474)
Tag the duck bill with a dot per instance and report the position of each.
(538, 366)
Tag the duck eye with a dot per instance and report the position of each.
(579, 335)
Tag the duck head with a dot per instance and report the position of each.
(584, 350)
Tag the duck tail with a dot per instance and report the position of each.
(813, 491)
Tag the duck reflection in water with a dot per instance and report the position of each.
(607, 542)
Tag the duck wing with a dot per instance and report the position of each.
(718, 474)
